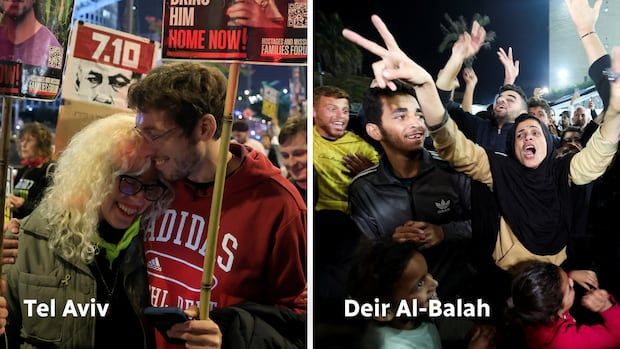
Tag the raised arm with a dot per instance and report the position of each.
(394, 64)
(594, 159)
(611, 126)
(452, 145)
(584, 17)
(469, 75)
(511, 67)
(466, 46)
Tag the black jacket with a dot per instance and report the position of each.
(31, 183)
(252, 325)
(379, 201)
(484, 131)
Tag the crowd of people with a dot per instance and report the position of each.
(122, 226)
(505, 205)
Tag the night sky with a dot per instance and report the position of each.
(522, 24)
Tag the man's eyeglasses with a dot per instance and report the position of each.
(131, 186)
(151, 137)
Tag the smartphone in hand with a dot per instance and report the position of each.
(163, 318)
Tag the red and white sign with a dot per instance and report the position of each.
(103, 62)
(114, 48)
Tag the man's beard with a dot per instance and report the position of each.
(19, 17)
(396, 143)
(183, 167)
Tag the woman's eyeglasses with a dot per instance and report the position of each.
(131, 186)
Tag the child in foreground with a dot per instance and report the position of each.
(542, 295)
(392, 272)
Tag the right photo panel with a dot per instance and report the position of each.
(465, 181)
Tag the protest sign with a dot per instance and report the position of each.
(103, 62)
(33, 38)
(257, 31)
(74, 116)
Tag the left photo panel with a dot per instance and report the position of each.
(154, 155)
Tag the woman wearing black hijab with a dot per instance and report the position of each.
(532, 189)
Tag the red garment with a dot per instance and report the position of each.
(261, 249)
(33, 163)
(566, 334)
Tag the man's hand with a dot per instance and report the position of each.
(4, 313)
(10, 245)
(553, 128)
(16, 201)
(469, 44)
(596, 301)
(197, 333)
(511, 67)
(356, 163)
(9, 250)
(574, 97)
(584, 17)
(410, 231)
(483, 338)
(433, 235)
(470, 77)
(250, 14)
(424, 234)
(394, 64)
(586, 278)
(538, 93)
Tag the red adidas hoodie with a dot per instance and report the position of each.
(261, 249)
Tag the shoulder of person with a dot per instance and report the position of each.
(365, 175)
(36, 224)
(438, 161)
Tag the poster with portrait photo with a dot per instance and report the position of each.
(103, 62)
(33, 41)
(261, 31)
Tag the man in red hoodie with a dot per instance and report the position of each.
(261, 247)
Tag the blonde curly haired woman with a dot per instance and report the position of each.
(80, 275)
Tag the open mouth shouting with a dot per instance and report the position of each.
(529, 151)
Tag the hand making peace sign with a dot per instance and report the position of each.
(394, 63)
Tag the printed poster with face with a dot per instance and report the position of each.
(261, 31)
(33, 39)
(103, 62)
